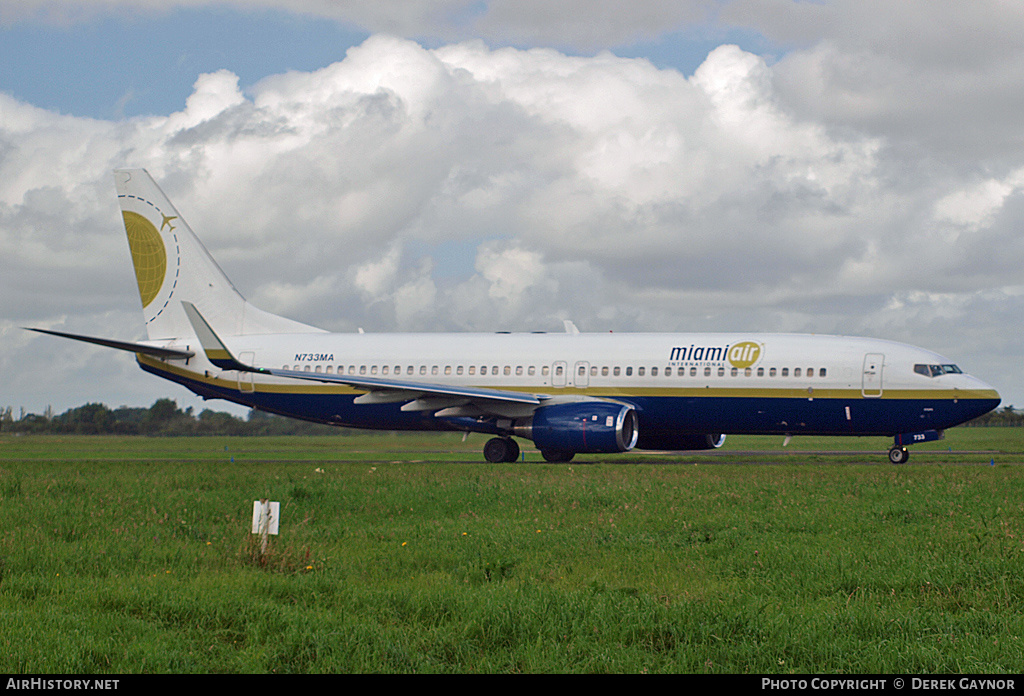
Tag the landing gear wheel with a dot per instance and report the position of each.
(899, 455)
(501, 449)
(557, 456)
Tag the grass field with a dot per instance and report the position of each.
(406, 554)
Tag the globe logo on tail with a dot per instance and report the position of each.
(148, 255)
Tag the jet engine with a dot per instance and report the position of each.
(662, 440)
(588, 426)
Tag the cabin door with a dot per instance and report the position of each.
(558, 374)
(871, 381)
(582, 378)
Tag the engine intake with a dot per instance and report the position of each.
(589, 426)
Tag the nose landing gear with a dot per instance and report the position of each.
(899, 454)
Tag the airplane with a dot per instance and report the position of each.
(569, 393)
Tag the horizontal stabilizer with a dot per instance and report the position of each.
(155, 351)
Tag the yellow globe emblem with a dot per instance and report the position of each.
(148, 255)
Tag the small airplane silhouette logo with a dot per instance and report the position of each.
(167, 222)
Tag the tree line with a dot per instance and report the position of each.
(164, 417)
(1005, 417)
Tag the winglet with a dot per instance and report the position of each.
(216, 352)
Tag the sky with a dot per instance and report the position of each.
(849, 167)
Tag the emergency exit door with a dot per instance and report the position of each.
(871, 380)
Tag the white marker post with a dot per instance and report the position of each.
(265, 516)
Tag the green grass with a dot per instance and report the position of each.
(405, 554)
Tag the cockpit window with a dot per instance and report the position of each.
(936, 370)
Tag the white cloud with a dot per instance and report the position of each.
(976, 206)
(582, 23)
(600, 189)
(510, 272)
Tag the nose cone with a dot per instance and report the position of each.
(976, 397)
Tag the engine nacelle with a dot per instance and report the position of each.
(588, 426)
(681, 441)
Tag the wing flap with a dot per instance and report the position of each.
(392, 391)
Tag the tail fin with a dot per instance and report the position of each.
(172, 266)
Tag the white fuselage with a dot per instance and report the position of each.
(724, 383)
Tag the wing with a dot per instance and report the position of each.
(447, 401)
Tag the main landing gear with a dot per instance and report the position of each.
(505, 449)
(501, 449)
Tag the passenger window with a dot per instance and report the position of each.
(472, 369)
(319, 368)
(330, 369)
(785, 372)
(483, 369)
(545, 371)
(447, 369)
(409, 370)
(796, 372)
(373, 370)
(604, 371)
(735, 372)
(821, 372)
(532, 370)
(771, 372)
(693, 372)
(362, 369)
(615, 371)
(593, 371)
(810, 371)
(458, 370)
(583, 371)
(721, 372)
(508, 370)
(629, 371)
(559, 371)
(423, 369)
(747, 372)
(760, 372)
(707, 371)
(654, 372)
